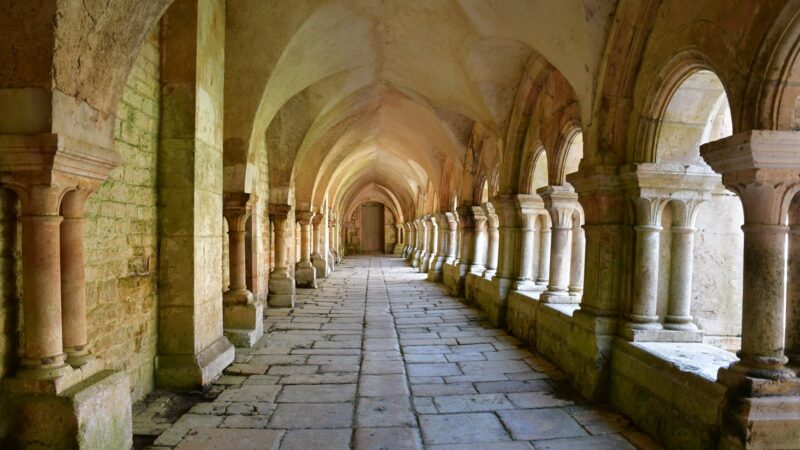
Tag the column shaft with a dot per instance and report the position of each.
(544, 256)
(577, 260)
(643, 313)
(559, 259)
(41, 299)
(679, 315)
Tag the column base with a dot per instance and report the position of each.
(526, 285)
(398, 249)
(243, 324)
(661, 335)
(558, 297)
(331, 263)
(305, 275)
(281, 291)
(320, 265)
(195, 371)
(435, 270)
(94, 413)
(759, 413)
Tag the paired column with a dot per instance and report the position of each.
(560, 202)
(281, 283)
(305, 273)
(422, 243)
(411, 248)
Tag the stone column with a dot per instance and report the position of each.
(441, 239)
(507, 210)
(398, 246)
(411, 248)
(765, 182)
(480, 241)
(43, 354)
(452, 238)
(467, 249)
(422, 242)
(331, 230)
(242, 316)
(679, 315)
(319, 262)
(543, 277)
(73, 278)
(643, 314)
(761, 403)
(281, 283)
(529, 208)
(432, 244)
(493, 241)
(577, 259)
(305, 273)
(560, 202)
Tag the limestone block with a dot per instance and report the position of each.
(243, 323)
(305, 275)
(281, 292)
(190, 371)
(93, 414)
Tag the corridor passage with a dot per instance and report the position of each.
(378, 358)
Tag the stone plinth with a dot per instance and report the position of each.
(92, 414)
(189, 371)
(281, 290)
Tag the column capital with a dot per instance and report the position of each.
(560, 202)
(236, 208)
(279, 211)
(762, 167)
(304, 217)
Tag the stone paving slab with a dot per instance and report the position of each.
(379, 358)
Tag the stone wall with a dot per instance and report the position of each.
(120, 231)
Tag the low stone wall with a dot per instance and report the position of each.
(451, 276)
(669, 390)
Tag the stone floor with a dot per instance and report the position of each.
(378, 358)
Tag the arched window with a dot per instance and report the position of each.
(698, 112)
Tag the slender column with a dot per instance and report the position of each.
(73, 278)
(480, 242)
(543, 276)
(451, 232)
(560, 202)
(242, 314)
(305, 273)
(281, 284)
(279, 224)
(422, 237)
(577, 259)
(493, 247)
(679, 315)
(467, 245)
(440, 250)
(43, 354)
(236, 211)
(431, 244)
(412, 241)
(316, 235)
(530, 207)
(643, 314)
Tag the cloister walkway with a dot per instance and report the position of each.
(378, 358)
